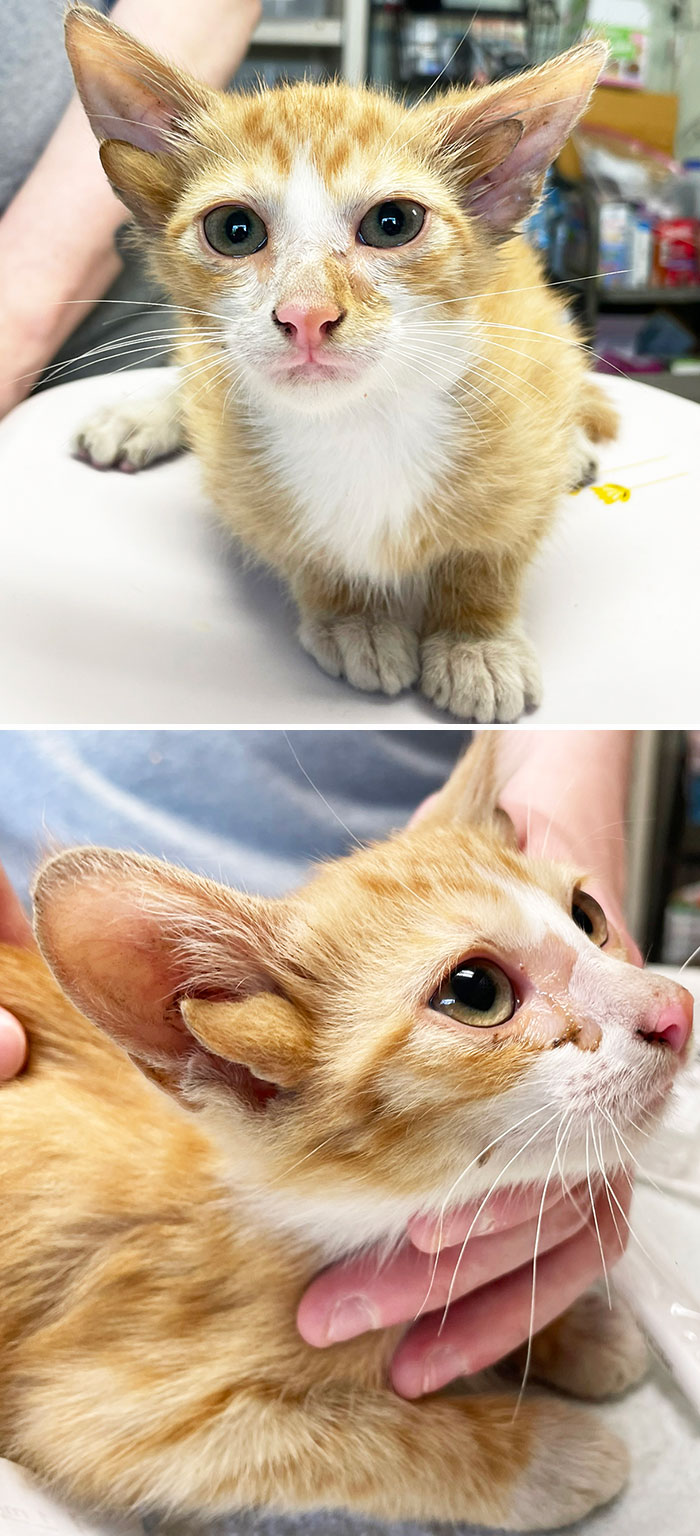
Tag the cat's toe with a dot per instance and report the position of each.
(585, 463)
(576, 1466)
(592, 1350)
(483, 680)
(375, 654)
(128, 437)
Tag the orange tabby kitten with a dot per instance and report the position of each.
(385, 397)
(419, 1020)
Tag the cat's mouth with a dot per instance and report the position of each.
(314, 370)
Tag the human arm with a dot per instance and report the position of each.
(57, 253)
(566, 793)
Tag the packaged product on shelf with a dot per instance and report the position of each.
(614, 240)
(641, 248)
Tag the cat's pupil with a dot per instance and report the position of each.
(582, 919)
(475, 988)
(237, 227)
(391, 220)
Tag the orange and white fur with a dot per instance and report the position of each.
(389, 427)
(295, 1088)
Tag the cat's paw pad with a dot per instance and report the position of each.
(130, 436)
(585, 463)
(592, 1351)
(375, 654)
(482, 680)
(576, 1465)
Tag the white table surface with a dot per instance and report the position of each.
(121, 600)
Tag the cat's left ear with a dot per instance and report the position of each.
(497, 143)
(187, 976)
(139, 107)
(471, 793)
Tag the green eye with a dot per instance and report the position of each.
(589, 916)
(476, 993)
(234, 231)
(392, 223)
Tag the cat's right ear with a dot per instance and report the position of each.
(184, 974)
(139, 107)
(471, 792)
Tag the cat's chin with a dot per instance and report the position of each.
(314, 389)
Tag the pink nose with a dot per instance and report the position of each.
(307, 328)
(673, 1023)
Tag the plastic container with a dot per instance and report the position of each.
(676, 262)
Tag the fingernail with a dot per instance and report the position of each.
(439, 1367)
(350, 1316)
(485, 1224)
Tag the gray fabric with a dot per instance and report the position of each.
(233, 804)
(35, 84)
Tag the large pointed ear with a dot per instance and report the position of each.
(184, 974)
(470, 795)
(498, 142)
(140, 108)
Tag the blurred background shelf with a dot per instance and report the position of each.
(300, 32)
(616, 297)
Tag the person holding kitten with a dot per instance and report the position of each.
(58, 216)
(565, 793)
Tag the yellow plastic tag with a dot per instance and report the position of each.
(608, 493)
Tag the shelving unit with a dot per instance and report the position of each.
(301, 32)
(342, 40)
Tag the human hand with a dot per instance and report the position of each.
(481, 1258)
(14, 929)
(488, 1280)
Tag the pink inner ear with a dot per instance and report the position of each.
(124, 111)
(549, 103)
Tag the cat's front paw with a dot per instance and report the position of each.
(584, 462)
(576, 1465)
(592, 1350)
(375, 654)
(483, 680)
(131, 435)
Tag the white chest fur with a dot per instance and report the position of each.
(362, 480)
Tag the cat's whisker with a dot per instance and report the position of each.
(682, 967)
(321, 796)
(471, 371)
(431, 87)
(510, 1129)
(464, 391)
(601, 1164)
(498, 293)
(538, 1233)
(109, 350)
(421, 373)
(594, 1214)
(565, 791)
(536, 1134)
(618, 1134)
(501, 325)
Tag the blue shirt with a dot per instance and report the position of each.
(249, 807)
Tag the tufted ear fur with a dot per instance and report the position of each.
(139, 107)
(184, 974)
(500, 140)
(470, 795)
